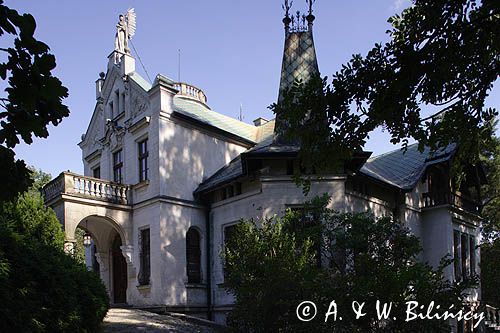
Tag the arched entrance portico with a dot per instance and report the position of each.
(110, 253)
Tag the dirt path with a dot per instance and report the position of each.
(132, 320)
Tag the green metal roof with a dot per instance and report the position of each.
(140, 81)
(200, 112)
(404, 169)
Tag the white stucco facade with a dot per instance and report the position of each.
(189, 146)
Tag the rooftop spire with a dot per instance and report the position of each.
(299, 56)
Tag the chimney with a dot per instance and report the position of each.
(260, 121)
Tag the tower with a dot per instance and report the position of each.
(299, 55)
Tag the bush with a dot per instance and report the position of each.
(490, 272)
(42, 289)
(272, 266)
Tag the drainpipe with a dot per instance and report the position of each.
(209, 266)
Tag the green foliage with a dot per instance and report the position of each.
(268, 271)
(272, 267)
(42, 289)
(490, 273)
(79, 248)
(27, 216)
(40, 179)
(33, 96)
(442, 58)
(491, 191)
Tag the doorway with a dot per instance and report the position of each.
(119, 272)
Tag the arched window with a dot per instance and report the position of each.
(193, 256)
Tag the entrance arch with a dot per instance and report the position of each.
(112, 254)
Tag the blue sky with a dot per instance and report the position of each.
(231, 49)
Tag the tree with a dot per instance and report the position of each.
(490, 273)
(429, 82)
(490, 249)
(42, 289)
(268, 271)
(491, 191)
(271, 267)
(33, 97)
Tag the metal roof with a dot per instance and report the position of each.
(398, 168)
(200, 112)
(402, 168)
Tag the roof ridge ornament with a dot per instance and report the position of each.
(310, 17)
(287, 20)
(125, 30)
(297, 22)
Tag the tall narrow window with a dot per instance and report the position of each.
(229, 233)
(118, 166)
(143, 160)
(193, 256)
(456, 255)
(465, 253)
(111, 110)
(472, 249)
(116, 104)
(145, 263)
(122, 103)
(96, 172)
(308, 222)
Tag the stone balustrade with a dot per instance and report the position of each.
(492, 317)
(86, 187)
(191, 91)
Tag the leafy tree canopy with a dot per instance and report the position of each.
(33, 97)
(42, 289)
(429, 82)
(491, 191)
(271, 266)
(490, 273)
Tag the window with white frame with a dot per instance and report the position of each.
(143, 154)
(464, 255)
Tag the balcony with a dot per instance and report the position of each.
(492, 319)
(432, 199)
(191, 91)
(86, 187)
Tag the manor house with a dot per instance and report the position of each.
(166, 178)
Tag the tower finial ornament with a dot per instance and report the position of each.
(125, 30)
(287, 20)
(286, 7)
(310, 16)
(310, 3)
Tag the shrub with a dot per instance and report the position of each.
(272, 266)
(42, 289)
